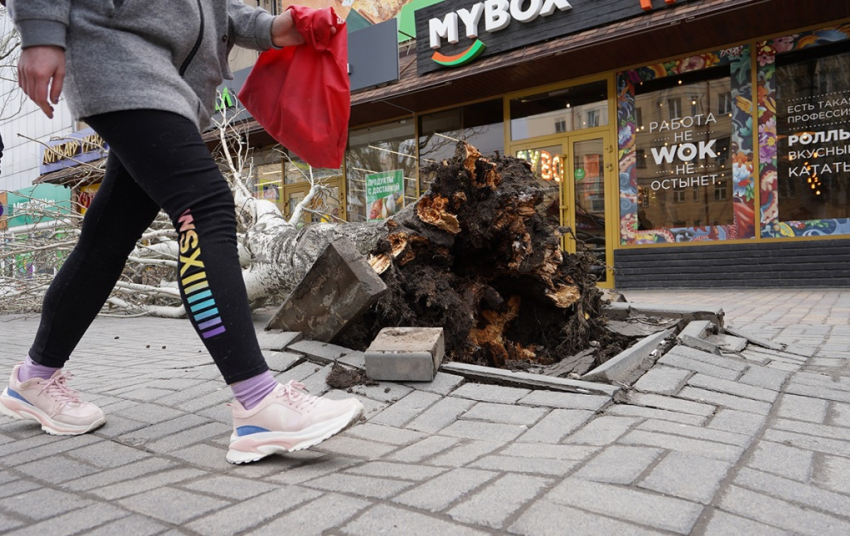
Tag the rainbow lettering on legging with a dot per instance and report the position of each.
(193, 279)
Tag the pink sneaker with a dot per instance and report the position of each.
(287, 420)
(52, 403)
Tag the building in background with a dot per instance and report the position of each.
(687, 143)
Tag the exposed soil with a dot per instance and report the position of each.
(477, 256)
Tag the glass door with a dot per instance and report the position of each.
(577, 171)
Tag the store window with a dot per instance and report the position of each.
(381, 169)
(559, 110)
(804, 112)
(679, 152)
(686, 156)
(812, 103)
(478, 124)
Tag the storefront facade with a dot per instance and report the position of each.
(725, 164)
(685, 143)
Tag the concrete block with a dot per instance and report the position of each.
(621, 366)
(687, 313)
(728, 343)
(405, 354)
(524, 379)
(694, 336)
(275, 339)
(338, 288)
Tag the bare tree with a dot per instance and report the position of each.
(275, 253)
(11, 98)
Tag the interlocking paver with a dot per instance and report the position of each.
(739, 422)
(556, 425)
(491, 393)
(315, 517)
(733, 388)
(782, 460)
(658, 511)
(366, 486)
(762, 440)
(437, 494)
(602, 430)
(384, 519)
(782, 514)
(687, 476)
(546, 517)
(663, 380)
(793, 491)
(172, 505)
(406, 409)
(671, 403)
(618, 464)
(77, 521)
(696, 432)
(495, 503)
(442, 414)
(723, 399)
(244, 516)
(399, 471)
(723, 524)
(653, 413)
(709, 449)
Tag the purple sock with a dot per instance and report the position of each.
(30, 369)
(250, 392)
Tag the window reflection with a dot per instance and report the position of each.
(812, 88)
(560, 110)
(682, 150)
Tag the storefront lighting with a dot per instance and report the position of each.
(817, 192)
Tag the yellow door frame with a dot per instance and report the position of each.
(567, 186)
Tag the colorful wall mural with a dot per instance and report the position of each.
(741, 150)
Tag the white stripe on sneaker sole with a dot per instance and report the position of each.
(16, 409)
(254, 447)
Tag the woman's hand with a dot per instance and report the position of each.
(284, 33)
(41, 73)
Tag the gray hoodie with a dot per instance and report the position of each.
(130, 54)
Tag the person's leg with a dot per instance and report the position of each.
(165, 154)
(120, 212)
(37, 389)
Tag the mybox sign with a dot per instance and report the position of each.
(455, 32)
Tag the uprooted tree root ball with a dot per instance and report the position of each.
(477, 256)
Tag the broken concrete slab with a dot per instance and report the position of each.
(642, 326)
(687, 313)
(281, 361)
(728, 343)
(405, 354)
(524, 379)
(694, 336)
(621, 367)
(320, 351)
(758, 341)
(276, 339)
(337, 290)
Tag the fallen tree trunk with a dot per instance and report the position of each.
(476, 256)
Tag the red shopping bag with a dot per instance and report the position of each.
(301, 95)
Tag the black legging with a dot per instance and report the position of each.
(156, 159)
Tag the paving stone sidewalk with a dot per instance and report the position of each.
(756, 443)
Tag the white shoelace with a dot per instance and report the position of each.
(57, 388)
(296, 393)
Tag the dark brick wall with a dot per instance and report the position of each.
(800, 263)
